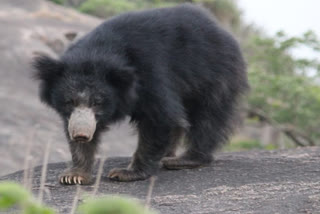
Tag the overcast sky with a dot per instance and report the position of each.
(294, 17)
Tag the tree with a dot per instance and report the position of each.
(285, 89)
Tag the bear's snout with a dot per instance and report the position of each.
(82, 125)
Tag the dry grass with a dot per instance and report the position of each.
(99, 175)
(75, 200)
(27, 161)
(149, 194)
(28, 174)
(44, 171)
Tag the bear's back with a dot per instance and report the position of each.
(186, 16)
(181, 46)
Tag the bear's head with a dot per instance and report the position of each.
(87, 94)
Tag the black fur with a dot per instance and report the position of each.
(171, 68)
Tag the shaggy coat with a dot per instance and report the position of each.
(174, 71)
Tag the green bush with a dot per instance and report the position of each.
(285, 88)
(248, 145)
(58, 1)
(112, 205)
(105, 8)
(13, 195)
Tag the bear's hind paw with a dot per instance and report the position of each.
(126, 175)
(181, 163)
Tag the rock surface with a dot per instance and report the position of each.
(244, 182)
(27, 28)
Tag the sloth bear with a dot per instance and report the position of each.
(174, 71)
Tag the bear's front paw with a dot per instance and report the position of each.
(71, 178)
(127, 175)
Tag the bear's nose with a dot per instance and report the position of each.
(82, 125)
(81, 138)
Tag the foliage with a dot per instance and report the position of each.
(58, 1)
(112, 205)
(69, 3)
(102, 8)
(106, 8)
(13, 195)
(226, 11)
(247, 145)
(284, 87)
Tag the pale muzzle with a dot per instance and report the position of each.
(82, 125)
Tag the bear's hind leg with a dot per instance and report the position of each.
(176, 137)
(201, 142)
(210, 128)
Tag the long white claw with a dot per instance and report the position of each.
(75, 180)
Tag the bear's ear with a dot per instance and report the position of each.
(123, 79)
(47, 70)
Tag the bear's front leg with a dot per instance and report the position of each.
(154, 141)
(82, 162)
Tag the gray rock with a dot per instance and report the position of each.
(243, 182)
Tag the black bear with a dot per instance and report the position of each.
(174, 71)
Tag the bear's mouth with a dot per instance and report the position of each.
(82, 125)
